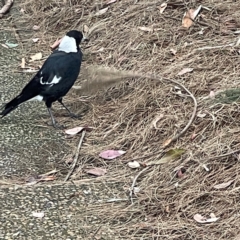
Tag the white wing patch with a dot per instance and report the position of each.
(55, 80)
(38, 98)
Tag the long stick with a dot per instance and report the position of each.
(76, 156)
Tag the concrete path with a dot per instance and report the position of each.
(29, 147)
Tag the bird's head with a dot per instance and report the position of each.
(70, 42)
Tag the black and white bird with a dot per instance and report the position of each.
(55, 78)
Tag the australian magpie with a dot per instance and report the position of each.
(55, 78)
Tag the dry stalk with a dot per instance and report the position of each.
(6, 7)
(76, 156)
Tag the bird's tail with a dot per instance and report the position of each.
(12, 105)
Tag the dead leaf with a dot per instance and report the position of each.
(4, 45)
(49, 173)
(193, 136)
(205, 167)
(85, 29)
(184, 71)
(38, 214)
(35, 40)
(146, 29)
(200, 219)
(74, 131)
(102, 11)
(69, 160)
(162, 7)
(31, 180)
(181, 173)
(35, 57)
(47, 178)
(173, 51)
(167, 142)
(35, 27)
(201, 115)
(158, 118)
(167, 209)
(134, 164)
(97, 171)
(212, 215)
(23, 63)
(111, 154)
(30, 70)
(136, 190)
(170, 155)
(111, 1)
(223, 185)
(212, 94)
(189, 16)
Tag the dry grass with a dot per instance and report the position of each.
(123, 115)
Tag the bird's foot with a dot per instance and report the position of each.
(56, 125)
(76, 116)
(59, 126)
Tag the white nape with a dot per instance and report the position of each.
(37, 98)
(67, 44)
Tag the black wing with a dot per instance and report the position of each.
(58, 72)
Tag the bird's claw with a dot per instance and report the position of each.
(58, 126)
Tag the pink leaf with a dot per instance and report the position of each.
(111, 154)
(97, 171)
(74, 131)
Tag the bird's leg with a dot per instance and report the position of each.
(54, 123)
(71, 113)
(52, 118)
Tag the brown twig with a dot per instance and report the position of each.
(190, 95)
(76, 156)
(224, 155)
(6, 7)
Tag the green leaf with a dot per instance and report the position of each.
(170, 155)
(11, 45)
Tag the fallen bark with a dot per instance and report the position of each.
(8, 4)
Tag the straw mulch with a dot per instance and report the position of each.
(123, 115)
